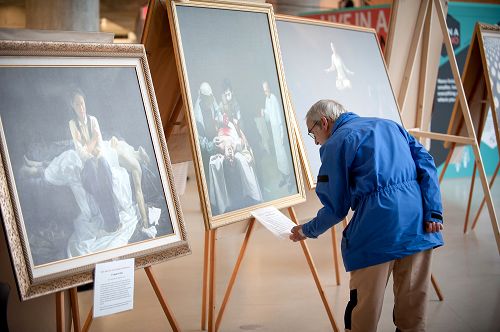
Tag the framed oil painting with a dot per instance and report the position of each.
(481, 82)
(324, 60)
(85, 173)
(490, 40)
(244, 153)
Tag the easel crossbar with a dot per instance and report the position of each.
(442, 137)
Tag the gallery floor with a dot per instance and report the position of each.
(275, 291)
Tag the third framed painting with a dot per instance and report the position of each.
(324, 60)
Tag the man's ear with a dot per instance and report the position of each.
(324, 122)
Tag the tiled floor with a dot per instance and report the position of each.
(275, 291)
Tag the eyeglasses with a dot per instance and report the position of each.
(309, 131)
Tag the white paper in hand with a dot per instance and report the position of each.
(275, 221)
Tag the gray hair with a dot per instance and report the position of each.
(328, 108)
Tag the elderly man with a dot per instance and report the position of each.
(388, 179)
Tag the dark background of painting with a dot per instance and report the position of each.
(221, 44)
(36, 104)
(35, 110)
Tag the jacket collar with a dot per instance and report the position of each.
(343, 119)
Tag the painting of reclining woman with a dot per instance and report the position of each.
(246, 156)
(83, 160)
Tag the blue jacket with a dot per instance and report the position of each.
(376, 168)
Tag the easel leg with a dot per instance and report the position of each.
(417, 32)
(60, 311)
(88, 320)
(335, 246)
(211, 284)
(487, 195)
(469, 201)
(482, 123)
(314, 273)
(205, 282)
(234, 274)
(436, 288)
(161, 298)
(422, 120)
(75, 310)
(447, 162)
(484, 199)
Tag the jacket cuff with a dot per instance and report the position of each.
(434, 217)
(306, 231)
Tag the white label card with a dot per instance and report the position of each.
(275, 221)
(113, 287)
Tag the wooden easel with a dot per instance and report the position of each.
(209, 277)
(477, 87)
(483, 201)
(208, 288)
(424, 14)
(157, 40)
(60, 321)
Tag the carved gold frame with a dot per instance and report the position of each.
(146, 253)
(212, 222)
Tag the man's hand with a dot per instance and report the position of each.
(296, 234)
(433, 227)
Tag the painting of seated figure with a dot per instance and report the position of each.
(87, 171)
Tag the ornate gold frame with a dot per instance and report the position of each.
(212, 222)
(157, 250)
